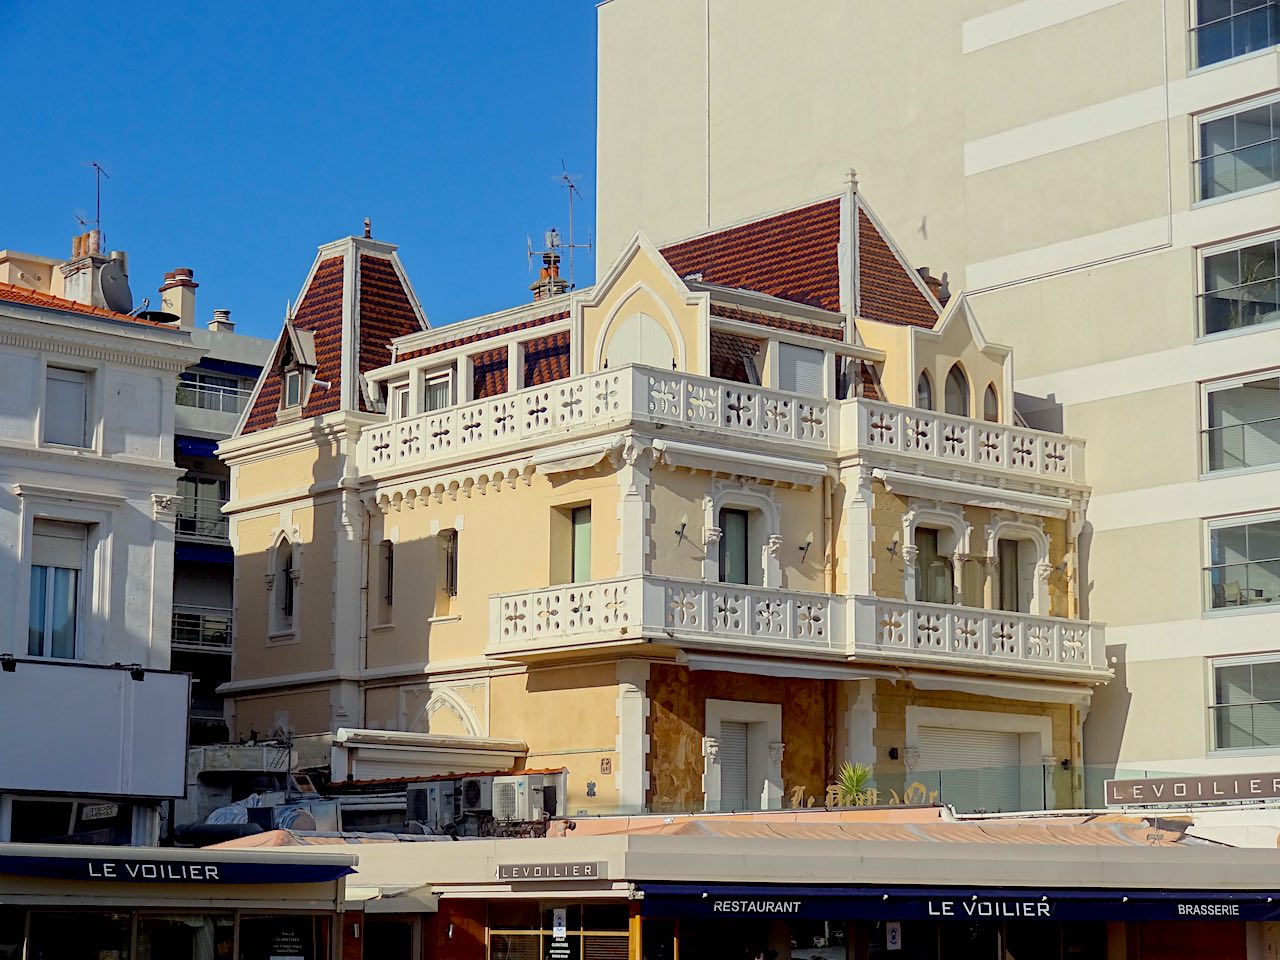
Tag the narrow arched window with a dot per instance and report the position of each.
(924, 391)
(957, 392)
(991, 404)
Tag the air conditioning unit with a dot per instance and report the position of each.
(434, 804)
(477, 795)
(522, 797)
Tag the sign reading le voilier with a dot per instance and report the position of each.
(552, 871)
(1179, 790)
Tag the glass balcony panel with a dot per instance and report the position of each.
(1225, 33)
(1244, 168)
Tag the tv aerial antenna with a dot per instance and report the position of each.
(98, 174)
(552, 237)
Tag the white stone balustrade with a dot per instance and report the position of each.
(790, 623)
(959, 440)
(975, 639)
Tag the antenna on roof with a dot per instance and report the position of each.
(570, 184)
(98, 174)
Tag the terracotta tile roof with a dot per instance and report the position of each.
(478, 337)
(546, 359)
(489, 373)
(792, 255)
(887, 290)
(33, 298)
(730, 354)
(728, 312)
(385, 311)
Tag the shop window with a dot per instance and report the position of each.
(58, 554)
(956, 397)
(924, 391)
(185, 935)
(935, 574)
(78, 936)
(295, 937)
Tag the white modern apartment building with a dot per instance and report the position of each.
(1100, 176)
(95, 720)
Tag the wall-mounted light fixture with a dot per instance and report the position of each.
(8, 662)
(893, 546)
(804, 547)
(135, 670)
(684, 524)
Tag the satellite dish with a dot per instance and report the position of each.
(114, 284)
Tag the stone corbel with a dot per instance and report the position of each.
(161, 505)
(1043, 572)
(711, 750)
(712, 535)
(270, 580)
(773, 545)
(776, 748)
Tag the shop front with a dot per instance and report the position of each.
(120, 903)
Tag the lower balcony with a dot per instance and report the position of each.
(554, 621)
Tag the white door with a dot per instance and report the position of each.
(973, 769)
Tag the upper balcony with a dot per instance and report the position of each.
(597, 402)
(208, 410)
(555, 621)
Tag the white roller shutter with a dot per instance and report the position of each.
(56, 544)
(733, 766)
(976, 769)
(66, 407)
(800, 369)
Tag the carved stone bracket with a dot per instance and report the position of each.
(776, 747)
(711, 750)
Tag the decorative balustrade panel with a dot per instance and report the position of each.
(958, 439)
(976, 636)
(533, 617)
(736, 408)
(730, 611)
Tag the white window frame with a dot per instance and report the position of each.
(400, 400)
(1194, 24)
(1218, 523)
(438, 375)
(1211, 735)
(764, 749)
(1022, 529)
(1199, 120)
(82, 572)
(1208, 387)
(92, 424)
(291, 376)
(764, 510)
(1203, 253)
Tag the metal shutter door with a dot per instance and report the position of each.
(976, 769)
(733, 766)
(57, 544)
(800, 369)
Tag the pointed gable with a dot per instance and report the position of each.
(792, 255)
(887, 286)
(351, 330)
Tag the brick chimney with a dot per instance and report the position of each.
(549, 282)
(221, 322)
(94, 277)
(937, 286)
(179, 289)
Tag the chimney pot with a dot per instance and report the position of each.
(221, 322)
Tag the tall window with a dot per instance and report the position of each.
(286, 590)
(1016, 567)
(57, 561)
(1239, 151)
(734, 551)
(388, 572)
(924, 391)
(991, 404)
(935, 577)
(1231, 28)
(292, 388)
(1242, 424)
(449, 543)
(1246, 704)
(1241, 287)
(399, 401)
(581, 546)
(1244, 564)
(66, 407)
(438, 392)
(957, 392)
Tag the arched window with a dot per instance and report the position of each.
(924, 391)
(957, 392)
(991, 404)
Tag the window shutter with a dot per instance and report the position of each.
(581, 544)
(57, 544)
(800, 369)
(733, 767)
(975, 769)
(66, 407)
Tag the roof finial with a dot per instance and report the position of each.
(851, 180)
(368, 228)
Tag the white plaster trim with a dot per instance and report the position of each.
(443, 698)
(973, 494)
(764, 764)
(632, 744)
(1020, 19)
(667, 323)
(1192, 499)
(696, 456)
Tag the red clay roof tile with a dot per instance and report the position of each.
(886, 290)
(33, 298)
(728, 312)
(546, 359)
(489, 373)
(478, 337)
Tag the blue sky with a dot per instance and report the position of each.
(240, 136)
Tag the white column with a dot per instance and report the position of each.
(515, 366)
(862, 553)
(633, 508)
(633, 738)
(860, 722)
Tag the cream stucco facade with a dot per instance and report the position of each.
(578, 528)
(1064, 163)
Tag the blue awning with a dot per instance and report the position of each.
(767, 901)
(131, 867)
(247, 370)
(203, 553)
(196, 446)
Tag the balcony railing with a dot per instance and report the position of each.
(210, 397)
(790, 623)
(599, 401)
(1238, 446)
(972, 638)
(1242, 305)
(1238, 33)
(958, 440)
(1234, 171)
(205, 629)
(201, 518)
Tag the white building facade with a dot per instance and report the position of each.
(1100, 176)
(95, 720)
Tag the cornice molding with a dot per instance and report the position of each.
(149, 354)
